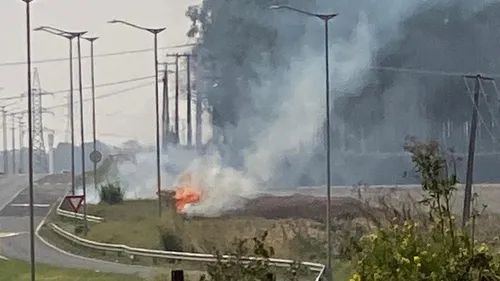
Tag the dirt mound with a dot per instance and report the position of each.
(299, 206)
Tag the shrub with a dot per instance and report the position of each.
(112, 193)
(434, 251)
(170, 241)
(171, 231)
(237, 267)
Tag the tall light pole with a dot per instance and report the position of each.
(70, 38)
(155, 32)
(92, 76)
(30, 141)
(78, 35)
(325, 18)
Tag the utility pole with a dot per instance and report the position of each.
(176, 125)
(472, 144)
(166, 111)
(21, 137)
(188, 101)
(13, 130)
(189, 137)
(5, 152)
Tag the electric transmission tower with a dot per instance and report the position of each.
(40, 157)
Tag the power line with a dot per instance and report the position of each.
(426, 71)
(105, 95)
(137, 51)
(88, 87)
(480, 116)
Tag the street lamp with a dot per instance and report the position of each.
(325, 18)
(30, 141)
(155, 32)
(94, 142)
(78, 35)
(70, 38)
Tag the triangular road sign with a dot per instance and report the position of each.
(75, 201)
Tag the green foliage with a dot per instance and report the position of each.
(235, 266)
(112, 193)
(435, 250)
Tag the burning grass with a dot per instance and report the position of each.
(295, 223)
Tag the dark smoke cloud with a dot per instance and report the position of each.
(263, 74)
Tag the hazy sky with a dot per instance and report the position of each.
(125, 116)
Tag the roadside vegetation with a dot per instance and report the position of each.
(395, 234)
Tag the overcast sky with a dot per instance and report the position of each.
(125, 116)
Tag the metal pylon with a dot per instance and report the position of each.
(40, 161)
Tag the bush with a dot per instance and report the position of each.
(436, 250)
(237, 267)
(112, 193)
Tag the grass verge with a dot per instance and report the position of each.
(13, 270)
(299, 238)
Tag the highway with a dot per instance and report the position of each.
(14, 229)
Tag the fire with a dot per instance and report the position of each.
(186, 192)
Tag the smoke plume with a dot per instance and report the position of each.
(262, 72)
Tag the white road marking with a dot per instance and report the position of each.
(34, 205)
(10, 234)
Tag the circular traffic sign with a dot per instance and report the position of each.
(95, 156)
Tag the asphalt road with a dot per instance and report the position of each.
(14, 229)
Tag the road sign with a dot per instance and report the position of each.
(95, 156)
(75, 201)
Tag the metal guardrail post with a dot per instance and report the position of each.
(177, 275)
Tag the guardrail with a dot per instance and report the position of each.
(78, 216)
(170, 255)
(73, 215)
(158, 254)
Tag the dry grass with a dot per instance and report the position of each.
(135, 223)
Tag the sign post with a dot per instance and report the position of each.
(75, 201)
(95, 157)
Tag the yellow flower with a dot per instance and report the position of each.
(483, 248)
(407, 224)
(355, 277)
(372, 237)
(405, 260)
(417, 261)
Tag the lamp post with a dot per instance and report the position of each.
(155, 32)
(70, 38)
(78, 35)
(30, 141)
(94, 141)
(325, 18)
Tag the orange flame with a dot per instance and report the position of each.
(186, 192)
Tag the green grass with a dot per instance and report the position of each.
(20, 271)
